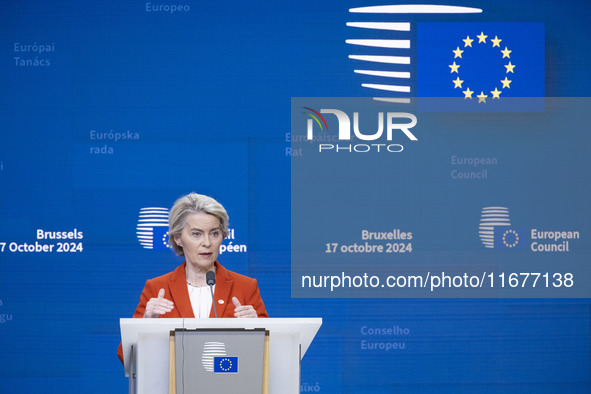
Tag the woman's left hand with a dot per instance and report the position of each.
(243, 310)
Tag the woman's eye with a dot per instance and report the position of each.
(215, 234)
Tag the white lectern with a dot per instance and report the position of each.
(146, 349)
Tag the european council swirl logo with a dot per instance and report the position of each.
(152, 228)
(490, 219)
(385, 56)
(460, 66)
(496, 232)
(211, 352)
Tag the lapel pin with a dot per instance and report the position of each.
(221, 301)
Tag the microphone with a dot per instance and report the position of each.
(210, 279)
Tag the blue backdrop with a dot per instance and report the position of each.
(108, 108)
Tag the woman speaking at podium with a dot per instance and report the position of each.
(197, 226)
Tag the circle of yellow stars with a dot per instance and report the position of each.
(510, 245)
(165, 239)
(225, 364)
(506, 83)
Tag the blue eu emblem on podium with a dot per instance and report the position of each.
(225, 364)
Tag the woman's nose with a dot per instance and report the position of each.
(206, 240)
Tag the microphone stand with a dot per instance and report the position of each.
(210, 277)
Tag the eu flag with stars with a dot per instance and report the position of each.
(481, 66)
(160, 237)
(225, 364)
(510, 237)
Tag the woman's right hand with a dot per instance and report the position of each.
(158, 306)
